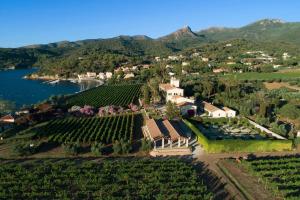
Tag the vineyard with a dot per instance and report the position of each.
(110, 179)
(88, 129)
(119, 95)
(281, 174)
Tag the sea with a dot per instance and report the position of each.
(27, 92)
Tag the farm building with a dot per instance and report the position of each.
(215, 112)
(159, 131)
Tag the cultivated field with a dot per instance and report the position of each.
(264, 76)
(280, 174)
(118, 95)
(87, 130)
(109, 179)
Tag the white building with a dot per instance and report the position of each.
(129, 75)
(108, 75)
(215, 112)
(185, 64)
(171, 89)
(101, 75)
(285, 56)
(91, 74)
(205, 59)
(229, 112)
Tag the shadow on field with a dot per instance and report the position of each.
(213, 182)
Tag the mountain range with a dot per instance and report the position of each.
(266, 30)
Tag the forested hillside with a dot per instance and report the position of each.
(65, 58)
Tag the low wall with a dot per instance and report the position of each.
(256, 125)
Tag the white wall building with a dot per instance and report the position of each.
(215, 112)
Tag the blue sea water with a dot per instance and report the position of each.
(25, 92)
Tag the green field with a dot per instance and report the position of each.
(264, 76)
(109, 179)
(280, 174)
(118, 95)
(87, 129)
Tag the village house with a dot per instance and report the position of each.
(220, 70)
(101, 76)
(185, 64)
(285, 56)
(91, 74)
(108, 75)
(205, 59)
(7, 119)
(215, 112)
(129, 75)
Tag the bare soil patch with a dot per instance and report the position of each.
(278, 85)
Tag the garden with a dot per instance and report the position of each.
(228, 128)
(237, 144)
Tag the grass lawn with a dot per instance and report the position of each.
(264, 76)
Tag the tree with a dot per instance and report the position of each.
(290, 111)
(6, 106)
(146, 94)
(172, 111)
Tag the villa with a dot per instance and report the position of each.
(175, 94)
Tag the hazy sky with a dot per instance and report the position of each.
(24, 22)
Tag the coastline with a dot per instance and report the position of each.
(49, 78)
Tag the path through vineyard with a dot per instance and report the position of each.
(247, 181)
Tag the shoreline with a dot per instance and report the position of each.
(48, 78)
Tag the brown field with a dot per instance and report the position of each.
(278, 85)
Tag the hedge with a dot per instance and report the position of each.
(239, 145)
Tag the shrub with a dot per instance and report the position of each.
(26, 149)
(122, 147)
(146, 145)
(126, 146)
(97, 148)
(117, 148)
(72, 149)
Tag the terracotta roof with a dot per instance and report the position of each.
(172, 131)
(184, 103)
(153, 129)
(6, 118)
(227, 109)
(209, 107)
(166, 86)
(176, 97)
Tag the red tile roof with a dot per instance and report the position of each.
(153, 129)
(209, 107)
(172, 131)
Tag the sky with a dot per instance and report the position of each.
(25, 22)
